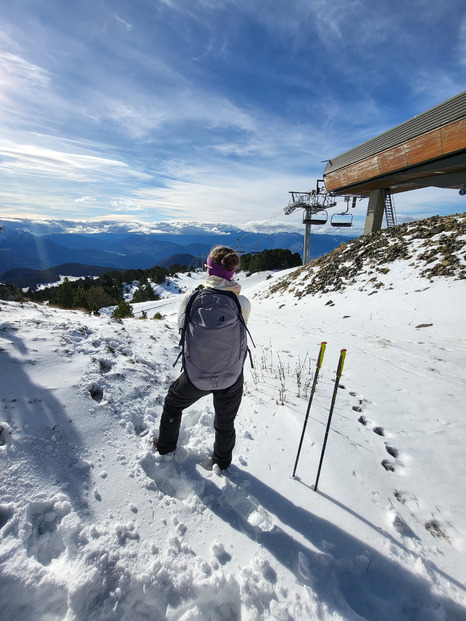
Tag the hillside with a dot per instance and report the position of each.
(432, 247)
(25, 277)
(95, 527)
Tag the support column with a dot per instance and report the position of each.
(307, 243)
(375, 211)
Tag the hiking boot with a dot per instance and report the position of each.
(161, 457)
(223, 465)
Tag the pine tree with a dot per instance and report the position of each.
(123, 310)
(97, 298)
(80, 299)
(65, 295)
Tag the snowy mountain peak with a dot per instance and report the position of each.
(9, 234)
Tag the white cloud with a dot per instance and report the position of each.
(274, 226)
(126, 205)
(217, 194)
(85, 199)
(34, 160)
(179, 112)
(16, 73)
(120, 20)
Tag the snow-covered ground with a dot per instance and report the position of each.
(95, 527)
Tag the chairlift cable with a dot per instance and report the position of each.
(264, 222)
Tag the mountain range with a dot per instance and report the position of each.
(24, 251)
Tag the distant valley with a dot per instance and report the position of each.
(31, 256)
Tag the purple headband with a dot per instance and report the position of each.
(215, 269)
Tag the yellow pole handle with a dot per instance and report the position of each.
(341, 363)
(320, 358)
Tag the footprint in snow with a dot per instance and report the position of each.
(2, 435)
(45, 542)
(96, 391)
(181, 529)
(6, 513)
(248, 507)
(166, 475)
(222, 556)
(378, 430)
(388, 465)
(105, 365)
(361, 404)
(141, 429)
(391, 450)
(361, 400)
(268, 572)
(402, 527)
(410, 500)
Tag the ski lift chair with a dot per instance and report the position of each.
(318, 218)
(341, 220)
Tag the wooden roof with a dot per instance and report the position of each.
(427, 150)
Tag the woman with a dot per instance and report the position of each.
(222, 263)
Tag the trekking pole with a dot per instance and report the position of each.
(341, 362)
(323, 345)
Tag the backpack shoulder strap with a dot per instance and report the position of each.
(234, 297)
(229, 294)
(189, 304)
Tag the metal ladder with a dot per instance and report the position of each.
(389, 209)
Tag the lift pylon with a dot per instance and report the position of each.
(315, 204)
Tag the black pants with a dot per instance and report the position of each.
(183, 394)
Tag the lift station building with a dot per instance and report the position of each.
(427, 150)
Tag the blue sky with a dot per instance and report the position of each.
(210, 110)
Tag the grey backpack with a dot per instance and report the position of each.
(213, 339)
